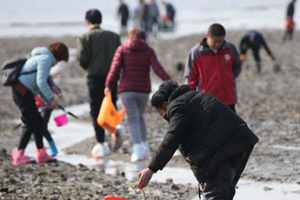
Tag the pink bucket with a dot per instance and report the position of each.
(61, 120)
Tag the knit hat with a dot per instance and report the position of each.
(163, 93)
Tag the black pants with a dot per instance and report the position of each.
(222, 185)
(96, 86)
(257, 58)
(31, 118)
(288, 35)
(46, 114)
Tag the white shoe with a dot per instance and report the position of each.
(146, 150)
(100, 150)
(138, 153)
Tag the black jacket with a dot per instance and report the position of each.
(200, 126)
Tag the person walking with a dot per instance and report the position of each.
(255, 40)
(290, 21)
(96, 49)
(124, 14)
(214, 141)
(213, 65)
(34, 80)
(131, 64)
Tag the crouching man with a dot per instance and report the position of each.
(211, 137)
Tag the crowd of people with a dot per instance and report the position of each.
(147, 16)
(202, 118)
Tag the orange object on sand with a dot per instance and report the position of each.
(114, 198)
(109, 118)
(290, 24)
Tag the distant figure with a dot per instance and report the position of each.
(141, 15)
(154, 15)
(254, 40)
(131, 66)
(96, 49)
(290, 22)
(33, 81)
(213, 65)
(214, 141)
(124, 14)
(168, 21)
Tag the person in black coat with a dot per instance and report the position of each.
(255, 40)
(211, 137)
(124, 14)
(290, 21)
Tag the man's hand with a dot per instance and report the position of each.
(145, 176)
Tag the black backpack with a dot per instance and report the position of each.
(11, 70)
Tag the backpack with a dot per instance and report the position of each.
(11, 70)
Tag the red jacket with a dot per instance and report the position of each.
(132, 62)
(214, 73)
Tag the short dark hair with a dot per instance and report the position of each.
(163, 93)
(93, 16)
(217, 30)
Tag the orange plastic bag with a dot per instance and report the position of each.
(109, 118)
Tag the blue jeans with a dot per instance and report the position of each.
(135, 104)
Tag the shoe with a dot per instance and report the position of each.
(146, 149)
(138, 153)
(53, 149)
(19, 158)
(43, 157)
(116, 141)
(100, 150)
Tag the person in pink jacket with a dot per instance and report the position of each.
(131, 65)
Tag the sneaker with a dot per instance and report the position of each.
(138, 153)
(53, 149)
(19, 158)
(100, 150)
(116, 141)
(146, 149)
(43, 157)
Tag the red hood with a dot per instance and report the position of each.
(136, 44)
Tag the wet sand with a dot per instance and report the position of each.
(269, 102)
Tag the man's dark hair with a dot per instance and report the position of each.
(163, 93)
(93, 16)
(217, 30)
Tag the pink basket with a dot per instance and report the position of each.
(61, 120)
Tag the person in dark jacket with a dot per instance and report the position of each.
(124, 14)
(213, 65)
(290, 22)
(255, 40)
(95, 53)
(211, 137)
(132, 63)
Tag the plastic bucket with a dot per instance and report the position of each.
(114, 198)
(61, 120)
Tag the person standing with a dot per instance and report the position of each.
(154, 15)
(96, 49)
(254, 40)
(290, 21)
(213, 65)
(124, 14)
(131, 64)
(34, 80)
(213, 140)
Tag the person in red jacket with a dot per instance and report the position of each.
(131, 64)
(213, 65)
